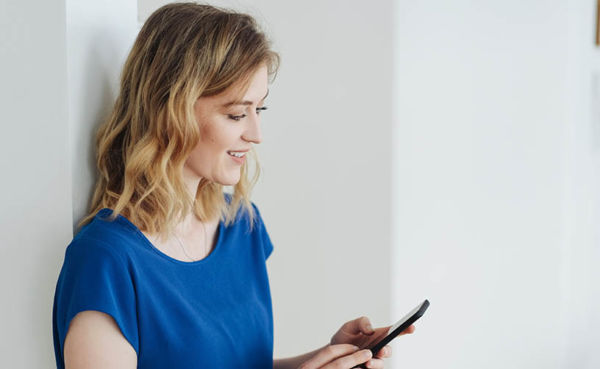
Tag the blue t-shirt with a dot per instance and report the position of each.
(211, 313)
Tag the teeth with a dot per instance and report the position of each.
(236, 154)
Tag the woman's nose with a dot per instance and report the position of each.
(253, 132)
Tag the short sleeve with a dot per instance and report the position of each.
(94, 277)
(262, 232)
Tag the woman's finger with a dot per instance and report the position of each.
(369, 341)
(329, 354)
(365, 326)
(379, 334)
(411, 328)
(359, 325)
(350, 361)
(375, 364)
(386, 351)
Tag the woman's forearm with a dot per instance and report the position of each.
(294, 362)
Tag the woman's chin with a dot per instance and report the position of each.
(228, 181)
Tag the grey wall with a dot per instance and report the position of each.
(35, 216)
(327, 155)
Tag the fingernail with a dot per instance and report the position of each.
(369, 363)
(366, 354)
(369, 328)
(355, 348)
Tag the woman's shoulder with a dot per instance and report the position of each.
(101, 233)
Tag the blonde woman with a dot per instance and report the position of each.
(167, 270)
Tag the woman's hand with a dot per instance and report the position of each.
(359, 332)
(348, 349)
(343, 356)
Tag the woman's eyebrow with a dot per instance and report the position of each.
(245, 102)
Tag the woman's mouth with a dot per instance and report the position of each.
(238, 156)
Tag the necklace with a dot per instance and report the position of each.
(183, 247)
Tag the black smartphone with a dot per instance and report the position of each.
(399, 327)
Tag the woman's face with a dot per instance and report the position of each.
(227, 126)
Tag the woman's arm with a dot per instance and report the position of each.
(342, 356)
(94, 341)
(296, 361)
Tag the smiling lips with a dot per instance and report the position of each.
(237, 154)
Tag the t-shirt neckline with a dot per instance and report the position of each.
(150, 245)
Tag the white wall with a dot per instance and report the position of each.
(326, 148)
(35, 216)
(59, 63)
(99, 35)
(583, 197)
(492, 185)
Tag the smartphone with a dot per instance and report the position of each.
(399, 327)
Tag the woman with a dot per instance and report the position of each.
(167, 270)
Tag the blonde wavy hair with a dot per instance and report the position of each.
(183, 52)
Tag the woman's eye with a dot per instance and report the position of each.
(236, 117)
(239, 117)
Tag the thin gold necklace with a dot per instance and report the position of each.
(183, 247)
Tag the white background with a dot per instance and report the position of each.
(496, 187)
(411, 150)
